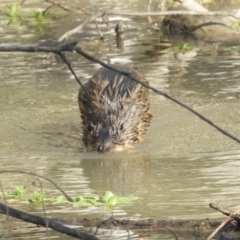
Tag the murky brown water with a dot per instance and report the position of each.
(182, 166)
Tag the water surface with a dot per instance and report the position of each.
(183, 164)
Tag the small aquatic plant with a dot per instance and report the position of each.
(183, 47)
(87, 201)
(39, 21)
(110, 200)
(235, 26)
(13, 10)
(40, 17)
(13, 14)
(17, 193)
(39, 197)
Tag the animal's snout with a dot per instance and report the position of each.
(102, 148)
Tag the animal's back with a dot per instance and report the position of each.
(114, 109)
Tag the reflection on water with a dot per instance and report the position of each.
(117, 174)
(182, 166)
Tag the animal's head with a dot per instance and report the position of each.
(101, 138)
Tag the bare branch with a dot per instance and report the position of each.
(230, 212)
(71, 47)
(224, 223)
(78, 28)
(64, 4)
(4, 209)
(223, 208)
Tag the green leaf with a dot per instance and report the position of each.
(19, 191)
(111, 208)
(39, 18)
(125, 200)
(108, 195)
(235, 26)
(4, 194)
(13, 10)
(113, 200)
(38, 198)
(59, 200)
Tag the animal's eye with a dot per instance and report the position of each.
(121, 126)
(90, 128)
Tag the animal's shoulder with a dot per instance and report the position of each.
(105, 76)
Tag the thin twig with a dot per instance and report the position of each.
(158, 227)
(71, 47)
(37, 175)
(86, 55)
(80, 83)
(230, 212)
(149, 9)
(66, 35)
(64, 4)
(98, 29)
(43, 205)
(226, 221)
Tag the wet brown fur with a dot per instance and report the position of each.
(116, 104)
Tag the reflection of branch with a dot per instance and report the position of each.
(156, 226)
(72, 47)
(43, 222)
